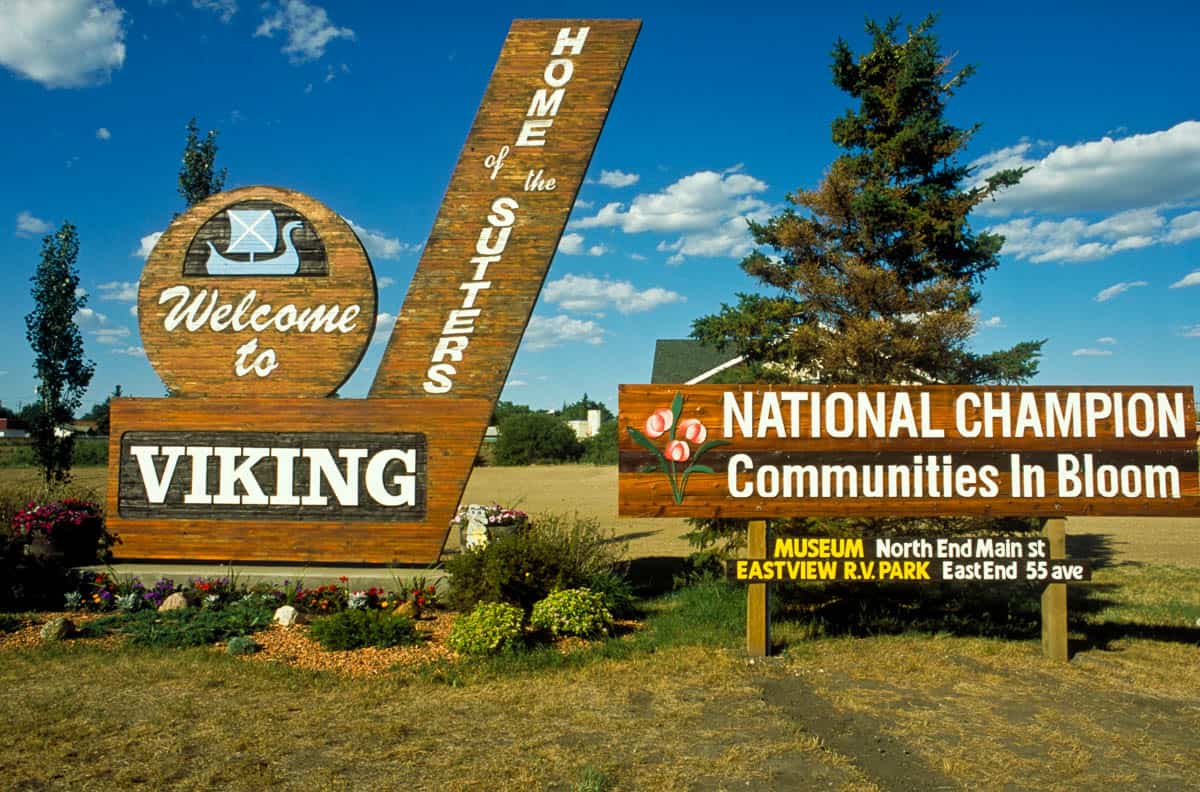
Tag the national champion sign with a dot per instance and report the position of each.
(257, 303)
(755, 451)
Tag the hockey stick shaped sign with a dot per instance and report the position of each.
(257, 303)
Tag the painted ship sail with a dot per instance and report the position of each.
(251, 232)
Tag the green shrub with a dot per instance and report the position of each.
(354, 629)
(601, 448)
(192, 626)
(572, 612)
(492, 627)
(555, 552)
(535, 438)
(241, 645)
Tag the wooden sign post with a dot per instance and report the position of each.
(257, 303)
(761, 451)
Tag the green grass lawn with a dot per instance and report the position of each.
(672, 706)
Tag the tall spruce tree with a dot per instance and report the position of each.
(62, 372)
(198, 177)
(876, 281)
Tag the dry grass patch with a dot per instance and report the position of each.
(685, 718)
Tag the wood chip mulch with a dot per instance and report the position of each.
(293, 646)
(31, 634)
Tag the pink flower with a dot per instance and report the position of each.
(678, 451)
(692, 430)
(658, 423)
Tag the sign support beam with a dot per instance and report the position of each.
(1054, 598)
(758, 595)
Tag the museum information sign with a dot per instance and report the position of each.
(755, 451)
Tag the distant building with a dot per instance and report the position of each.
(6, 432)
(589, 428)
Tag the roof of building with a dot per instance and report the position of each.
(683, 360)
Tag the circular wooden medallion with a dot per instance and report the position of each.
(258, 291)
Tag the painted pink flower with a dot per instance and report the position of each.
(678, 451)
(658, 423)
(692, 430)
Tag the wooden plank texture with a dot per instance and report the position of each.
(202, 360)
(758, 595)
(453, 429)
(495, 166)
(1055, 644)
(646, 491)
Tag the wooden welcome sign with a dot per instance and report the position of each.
(257, 303)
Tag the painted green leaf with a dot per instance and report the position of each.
(644, 441)
(676, 409)
(699, 469)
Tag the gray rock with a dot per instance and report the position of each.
(286, 615)
(175, 601)
(58, 629)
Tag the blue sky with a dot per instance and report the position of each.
(365, 107)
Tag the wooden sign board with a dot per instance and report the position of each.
(259, 296)
(757, 451)
(365, 481)
(257, 292)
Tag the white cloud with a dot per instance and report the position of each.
(89, 319)
(637, 257)
(103, 134)
(146, 244)
(385, 282)
(1106, 340)
(28, 225)
(1106, 175)
(308, 28)
(571, 244)
(1191, 279)
(97, 325)
(121, 291)
(616, 178)
(1191, 332)
(379, 245)
(597, 250)
(710, 210)
(994, 321)
(133, 310)
(1183, 228)
(225, 9)
(1074, 239)
(80, 291)
(582, 204)
(586, 293)
(1092, 352)
(132, 351)
(517, 383)
(547, 332)
(62, 43)
(1107, 293)
(384, 322)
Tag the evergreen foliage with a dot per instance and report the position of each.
(875, 272)
(536, 438)
(62, 372)
(198, 177)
